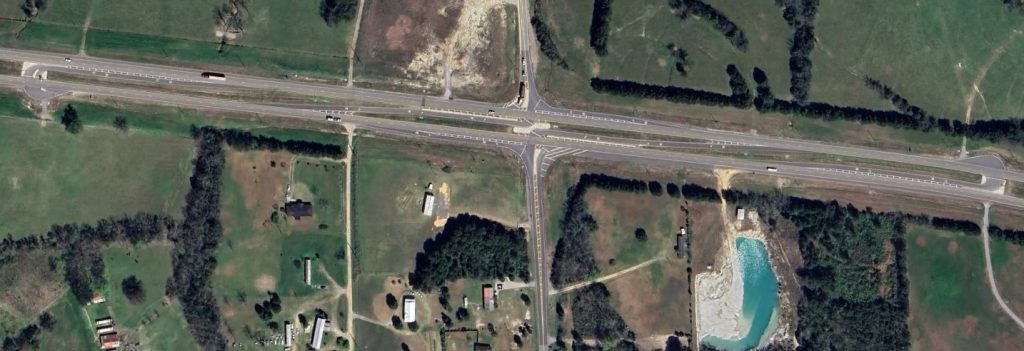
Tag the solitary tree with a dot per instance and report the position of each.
(132, 289)
(69, 118)
(121, 124)
(47, 321)
(230, 18)
(396, 322)
(640, 234)
(391, 301)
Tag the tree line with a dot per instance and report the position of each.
(471, 247)
(599, 26)
(668, 93)
(546, 40)
(244, 140)
(195, 243)
(28, 337)
(685, 8)
(1012, 236)
(799, 14)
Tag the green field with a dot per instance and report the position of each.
(73, 330)
(159, 326)
(930, 52)
(390, 179)
(951, 306)
(638, 36)
(280, 36)
(259, 253)
(55, 177)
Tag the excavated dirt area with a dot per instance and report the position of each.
(455, 48)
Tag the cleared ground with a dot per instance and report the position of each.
(620, 214)
(51, 176)
(417, 45)
(951, 306)
(262, 251)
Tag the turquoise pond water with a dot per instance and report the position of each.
(759, 294)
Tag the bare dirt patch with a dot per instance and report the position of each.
(437, 44)
(265, 282)
(395, 286)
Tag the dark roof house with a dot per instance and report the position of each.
(298, 208)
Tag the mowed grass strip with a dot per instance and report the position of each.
(951, 305)
(50, 176)
(931, 53)
(391, 177)
(279, 36)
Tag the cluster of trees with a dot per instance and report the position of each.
(673, 344)
(546, 40)
(334, 11)
(471, 247)
(230, 18)
(721, 23)
(243, 140)
(27, 337)
(195, 243)
(848, 303)
(599, 26)
(764, 100)
(1012, 236)
(1014, 4)
(31, 8)
(69, 119)
(133, 289)
(593, 316)
(681, 57)
(266, 309)
(663, 92)
(799, 14)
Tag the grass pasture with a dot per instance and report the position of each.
(374, 337)
(391, 177)
(619, 214)
(951, 306)
(73, 330)
(259, 254)
(958, 43)
(58, 28)
(638, 36)
(55, 177)
(156, 322)
(654, 300)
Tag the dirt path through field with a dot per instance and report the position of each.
(85, 32)
(352, 46)
(349, 323)
(608, 277)
(983, 71)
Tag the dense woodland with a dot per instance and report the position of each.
(593, 316)
(686, 8)
(471, 247)
(599, 26)
(195, 243)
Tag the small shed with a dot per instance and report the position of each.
(741, 213)
(409, 309)
(428, 204)
(109, 341)
(307, 271)
(488, 292)
(105, 321)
